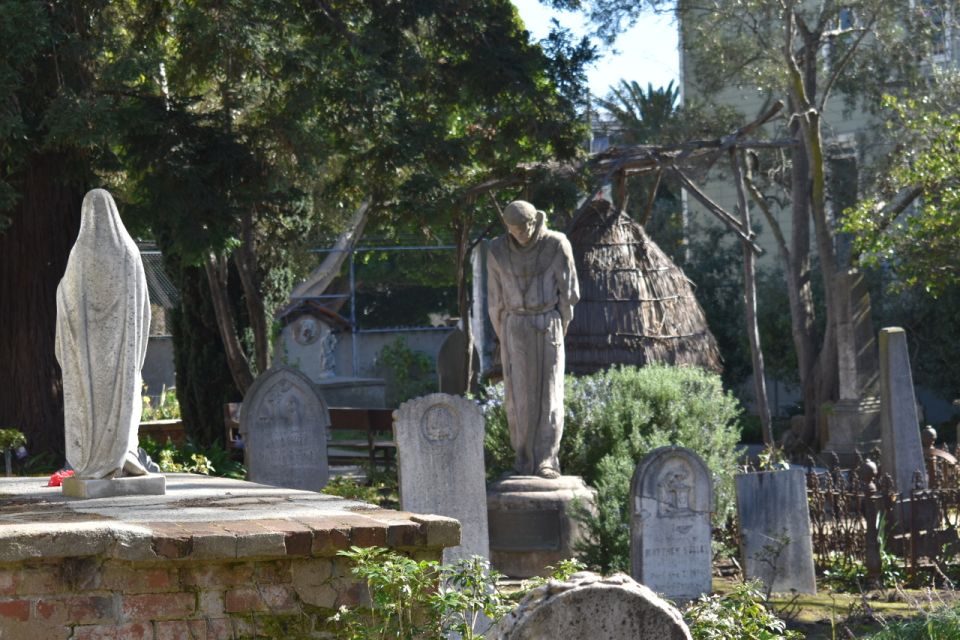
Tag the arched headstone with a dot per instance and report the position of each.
(671, 498)
(284, 423)
(440, 452)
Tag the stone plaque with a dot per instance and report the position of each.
(775, 542)
(671, 498)
(440, 454)
(284, 423)
(591, 606)
(535, 529)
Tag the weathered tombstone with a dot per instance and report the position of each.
(591, 607)
(671, 498)
(103, 324)
(776, 546)
(853, 422)
(901, 451)
(440, 452)
(450, 364)
(284, 423)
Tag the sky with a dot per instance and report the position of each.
(646, 53)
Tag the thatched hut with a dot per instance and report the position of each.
(636, 305)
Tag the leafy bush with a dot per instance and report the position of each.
(613, 419)
(380, 488)
(166, 408)
(191, 458)
(738, 615)
(411, 600)
(411, 371)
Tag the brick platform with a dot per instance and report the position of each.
(214, 559)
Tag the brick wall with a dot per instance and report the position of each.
(95, 599)
(206, 581)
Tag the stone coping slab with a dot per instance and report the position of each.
(202, 517)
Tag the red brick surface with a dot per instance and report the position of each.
(14, 610)
(158, 606)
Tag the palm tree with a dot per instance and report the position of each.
(642, 116)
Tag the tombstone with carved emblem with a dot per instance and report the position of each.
(671, 498)
(284, 423)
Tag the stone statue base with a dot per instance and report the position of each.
(851, 427)
(153, 484)
(531, 522)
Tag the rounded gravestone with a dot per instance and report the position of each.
(440, 452)
(284, 423)
(590, 607)
(671, 497)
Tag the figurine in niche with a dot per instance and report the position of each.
(532, 289)
(103, 323)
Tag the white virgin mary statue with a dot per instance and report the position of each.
(103, 322)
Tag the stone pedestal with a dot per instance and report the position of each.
(152, 484)
(531, 522)
(853, 426)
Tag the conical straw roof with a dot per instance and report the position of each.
(636, 305)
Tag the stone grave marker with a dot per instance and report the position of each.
(284, 423)
(591, 607)
(451, 363)
(671, 497)
(775, 541)
(901, 451)
(440, 453)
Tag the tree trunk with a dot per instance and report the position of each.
(33, 257)
(321, 277)
(217, 271)
(750, 306)
(462, 228)
(204, 383)
(245, 258)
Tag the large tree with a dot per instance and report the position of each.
(821, 59)
(231, 132)
(48, 141)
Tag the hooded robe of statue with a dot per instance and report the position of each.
(531, 291)
(103, 322)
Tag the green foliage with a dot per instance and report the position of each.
(410, 371)
(738, 615)
(919, 248)
(212, 460)
(612, 419)
(844, 573)
(166, 408)
(940, 624)
(380, 489)
(561, 572)
(411, 599)
(11, 439)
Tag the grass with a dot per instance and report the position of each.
(897, 613)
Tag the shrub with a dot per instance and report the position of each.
(940, 624)
(166, 408)
(738, 615)
(613, 419)
(191, 458)
(412, 599)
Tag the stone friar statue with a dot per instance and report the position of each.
(103, 322)
(533, 287)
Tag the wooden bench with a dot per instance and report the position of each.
(374, 428)
(371, 430)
